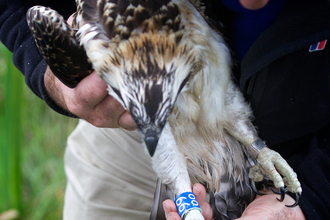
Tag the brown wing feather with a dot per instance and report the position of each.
(58, 45)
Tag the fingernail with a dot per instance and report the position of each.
(198, 191)
(169, 216)
(166, 208)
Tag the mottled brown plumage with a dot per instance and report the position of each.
(50, 30)
(163, 63)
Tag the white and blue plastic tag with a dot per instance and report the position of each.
(186, 202)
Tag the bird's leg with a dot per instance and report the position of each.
(269, 162)
(171, 167)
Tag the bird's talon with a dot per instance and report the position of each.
(253, 187)
(298, 195)
(282, 192)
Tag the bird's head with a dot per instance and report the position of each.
(146, 75)
(142, 52)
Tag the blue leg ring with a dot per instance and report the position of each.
(186, 202)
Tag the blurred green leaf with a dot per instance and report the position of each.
(11, 134)
(34, 177)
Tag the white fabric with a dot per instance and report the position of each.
(109, 175)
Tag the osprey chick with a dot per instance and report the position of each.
(171, 71)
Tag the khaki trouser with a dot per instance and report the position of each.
(109, 175)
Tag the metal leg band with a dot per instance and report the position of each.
(256, 147)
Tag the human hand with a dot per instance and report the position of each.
(267, 207)
(199, 192)
(89, 100)
(263, 207)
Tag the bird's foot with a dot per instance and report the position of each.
(271, 164)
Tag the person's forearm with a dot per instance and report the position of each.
(53, 89)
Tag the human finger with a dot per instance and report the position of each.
(126, 121)
(170, 210)
(200, 194)
(70, 19)
(91, 90)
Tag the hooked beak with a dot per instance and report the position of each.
(151, 141)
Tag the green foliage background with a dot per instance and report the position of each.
(32, 145)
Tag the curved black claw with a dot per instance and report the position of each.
(298, 195)
(282, 191)
(253, 187)
(274, 191)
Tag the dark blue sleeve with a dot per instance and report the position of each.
(16, 36)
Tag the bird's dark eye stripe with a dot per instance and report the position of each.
(183, 83)
(117, 92)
